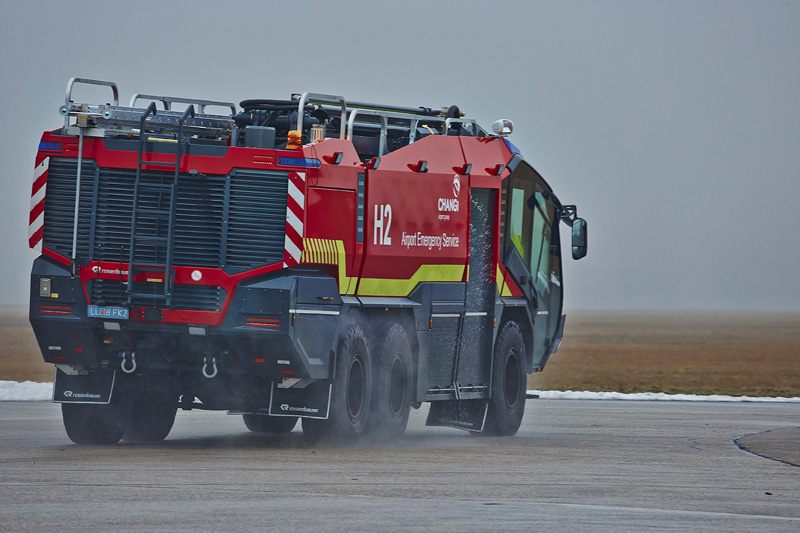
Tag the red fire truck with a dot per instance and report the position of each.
(310, 258)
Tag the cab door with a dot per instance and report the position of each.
(532, 252)
(545, 271)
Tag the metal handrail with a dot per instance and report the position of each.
(167, 101)
(66, 108)
(384, 123)
(307, 97)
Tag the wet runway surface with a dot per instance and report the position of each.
(574, 466)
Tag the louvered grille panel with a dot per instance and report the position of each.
(198, 217)
(59, 210)
(199, 222)
(189, 297)
(236, 222)
(257, 222)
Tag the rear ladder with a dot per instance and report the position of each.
(153, 212)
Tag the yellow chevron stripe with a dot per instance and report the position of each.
(318, 251)
(330, 252)
(346, 284)
(323, 252)
(330, 249)
(403, 287)
(502, 287)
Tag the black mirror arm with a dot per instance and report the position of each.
(568, 214)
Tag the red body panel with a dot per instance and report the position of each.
(416, 212)
(427, 219)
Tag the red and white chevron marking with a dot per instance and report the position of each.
(36, 220)
(295, 214)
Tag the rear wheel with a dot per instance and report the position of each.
(152, 412)
(94, 424)
(509, 380)
(350, 396)
(269, 424)
(391, 399)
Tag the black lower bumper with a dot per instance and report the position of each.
(269, 329)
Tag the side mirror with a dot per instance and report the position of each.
(579, 238)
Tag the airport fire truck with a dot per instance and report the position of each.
(310, 259)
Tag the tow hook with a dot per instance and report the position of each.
(210, 362)
(128, 364)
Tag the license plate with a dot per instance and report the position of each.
(108, 311)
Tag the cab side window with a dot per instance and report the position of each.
(542, 226)
(520, 221)
(528, 216)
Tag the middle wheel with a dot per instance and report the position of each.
(391, 398)
(351, 394)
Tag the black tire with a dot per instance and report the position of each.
(351, 394)
(152, 413)
(393, 378)
(94, 424)
(509, 381)
(269, 424)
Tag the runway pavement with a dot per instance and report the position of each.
(575, 466)
(778, 444)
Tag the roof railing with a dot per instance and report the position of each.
(167, 102)
(414, 120)
(71, 107)
(321, 98)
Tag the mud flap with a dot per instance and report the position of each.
(469, 415)
(89, 388)
(310, 402)
(559, 334)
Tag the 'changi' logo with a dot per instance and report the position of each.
(450, 204)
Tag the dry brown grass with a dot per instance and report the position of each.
(20, 358)
(735, 354)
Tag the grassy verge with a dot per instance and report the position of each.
(687, 353)
(20, 358)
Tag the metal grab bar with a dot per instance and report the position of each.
(66, 108)
(384, 116)
(306, 97)
(414, 121)
(167, 101)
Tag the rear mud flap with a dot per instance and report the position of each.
(469, 415)
(90, 388)
(310, 402)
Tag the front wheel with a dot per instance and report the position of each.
(509, 381)
(351, 393)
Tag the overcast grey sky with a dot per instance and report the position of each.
(674, 125)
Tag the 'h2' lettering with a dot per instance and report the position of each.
(383, 221)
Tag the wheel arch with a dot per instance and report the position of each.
(376, 321)
(520, 316)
